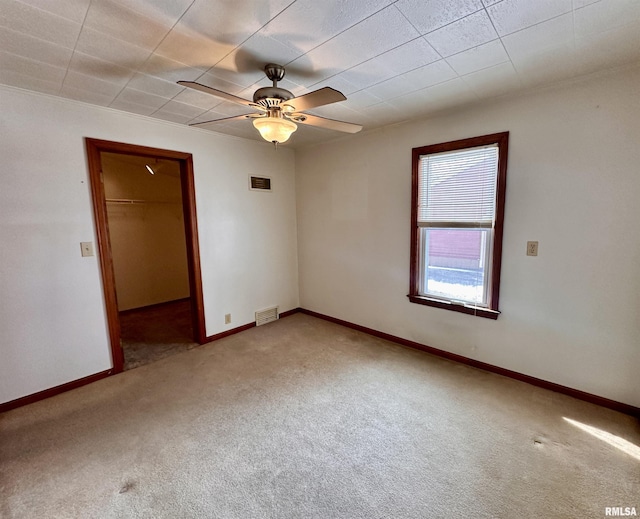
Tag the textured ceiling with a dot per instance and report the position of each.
(394, 60)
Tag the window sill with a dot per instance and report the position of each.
(456, 307)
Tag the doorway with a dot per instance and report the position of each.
(148, 291)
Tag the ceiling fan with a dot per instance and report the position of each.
(278, 110)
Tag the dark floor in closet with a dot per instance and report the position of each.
(153, 333)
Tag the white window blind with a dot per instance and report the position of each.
(458, 187)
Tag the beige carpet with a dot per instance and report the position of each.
(303, 418)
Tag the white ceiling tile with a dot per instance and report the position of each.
(169, 70)
(197, 98)
(31, 68)
(417, 79)
(429, 75)
(77, 81)
(384, 113)
(605, 15)
(86, 96)
(243, 79)
(129, 95)
(154, 85)
(307, 23)
(302, 73)
(535, 39)
(121, 23)
(182, 109)
(355, 45)
(120, 104)
(74, 10)
(210, 115)
(409, 56)
(34, 48)
(429, 15)
(221, 84)
(513, 15)
(101, 69)
(16, 79)
(361, 99)
(193, 48)
(246, 63)
(493, 81)
(479, 57)
(413, 102)
(102, 46)
(464, 34)
(170, 116)
(230, 22)
(487, 3)
(38, 23)
(448, 94)
(577, 4)
(169, 11)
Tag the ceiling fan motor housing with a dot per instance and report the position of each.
(271, 96)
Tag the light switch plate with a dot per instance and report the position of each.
(86, 247)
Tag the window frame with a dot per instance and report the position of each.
(491, 311)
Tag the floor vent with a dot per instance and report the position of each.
(266, 316)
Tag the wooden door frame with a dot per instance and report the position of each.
(94, 148)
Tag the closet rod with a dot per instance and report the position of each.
(134, 201)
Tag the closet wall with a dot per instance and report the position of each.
(146, 229)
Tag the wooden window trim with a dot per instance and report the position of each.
(502, 140)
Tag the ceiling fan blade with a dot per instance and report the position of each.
(219, 93)
(321, 97)
(323, 122)
(227, 119)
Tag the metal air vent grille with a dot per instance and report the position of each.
(266, 316)
(260, 183)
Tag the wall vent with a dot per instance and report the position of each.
(266, 316)
(259, 183)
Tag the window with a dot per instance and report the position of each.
(456, 216)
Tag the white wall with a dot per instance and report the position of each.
(52, 319)
(148, 243)
(569, 316)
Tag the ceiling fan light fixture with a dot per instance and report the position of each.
(275, 129)
(278, 109)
